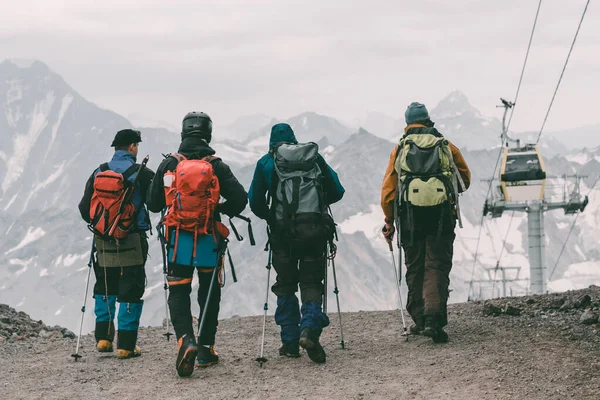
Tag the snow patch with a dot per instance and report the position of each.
(579, 158)
(64, 106)
(11, 201)
(59, 310)
(9, 228)
(23, 144)
(44, 272)
(23, 263)
(70, 259)
(31, 236)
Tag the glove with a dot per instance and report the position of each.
(388, 230)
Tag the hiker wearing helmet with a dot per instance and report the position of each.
(291, 190)
(113, 206)
(187, 188)
(419, 198)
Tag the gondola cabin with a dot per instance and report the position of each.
(522, 174)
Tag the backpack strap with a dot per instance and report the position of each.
(104, 167)
(128, 173)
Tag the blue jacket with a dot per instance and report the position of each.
(120, 162)
(265, 172)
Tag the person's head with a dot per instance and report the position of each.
(416, 113)
(127, 140)
(197, 124)
(281, 133)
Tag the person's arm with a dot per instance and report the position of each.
(257, 193)
(155, 198)
(146, 177)
(334, 191)
(389, 187)
(232, 190)
(461, 164)
(84, 204)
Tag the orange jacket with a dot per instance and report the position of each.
(390, 179)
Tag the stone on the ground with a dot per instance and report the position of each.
(588, 317)
(583, 301)
(490, 309)
(509, 309)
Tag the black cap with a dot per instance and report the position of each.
(125, 137)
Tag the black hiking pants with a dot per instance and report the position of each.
(428, 259)
(305, 270)
(180, 288)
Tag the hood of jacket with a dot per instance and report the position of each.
(281, 133)
(195, 147)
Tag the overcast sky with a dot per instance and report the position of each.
(159, 59)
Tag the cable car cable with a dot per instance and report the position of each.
(512, 111)
(563, 71)
(570, 231)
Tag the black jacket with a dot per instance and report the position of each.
(194, 148)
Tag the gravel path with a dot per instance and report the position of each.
(541, 354)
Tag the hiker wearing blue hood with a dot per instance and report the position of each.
(298, 262)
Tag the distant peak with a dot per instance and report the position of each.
(453, 105)
(25, 63)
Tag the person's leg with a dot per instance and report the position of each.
(132, 284)
(179, 279)
(207, 355)
(287, 315)
(311, 275)
(414, 259)
(105, 299)
(438, 263)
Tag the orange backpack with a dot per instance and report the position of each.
(191, 199)
(111, 211)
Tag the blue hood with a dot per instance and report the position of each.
(281, 133)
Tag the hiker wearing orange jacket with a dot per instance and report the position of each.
(426, 228)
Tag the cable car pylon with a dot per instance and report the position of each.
(522, 188)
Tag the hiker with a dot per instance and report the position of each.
(300, 229)
(113, 205)
(419, 196)
(187, 186)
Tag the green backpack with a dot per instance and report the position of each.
(427, 175)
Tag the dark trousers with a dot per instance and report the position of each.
(180, 288)
(428, 259)
(306, 271)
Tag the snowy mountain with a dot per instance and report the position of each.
(247, 125)
(51, 139)
(308, 126)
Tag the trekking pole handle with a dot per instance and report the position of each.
(390, 246)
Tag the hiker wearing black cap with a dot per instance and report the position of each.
(119, 220)
(187, 186)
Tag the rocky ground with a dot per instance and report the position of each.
(538, 347)
(16, 325)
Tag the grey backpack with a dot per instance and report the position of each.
(299, 207)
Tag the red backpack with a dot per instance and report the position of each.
(191, 199)
(111, 189)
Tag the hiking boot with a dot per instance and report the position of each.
(310, 342)
(434, 331)
(104, 346)
(206, 357)
(186, 355)
(415, 329)
(125, 354)
(291, 350)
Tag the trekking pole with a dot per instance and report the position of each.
(163, 243)
(76, 355)
(210, 287)
(325, 282)
(261, 359)
(405, 333)
(337, 299)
